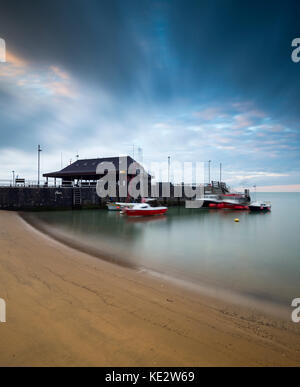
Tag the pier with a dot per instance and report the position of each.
(74, 187)
(32, 198)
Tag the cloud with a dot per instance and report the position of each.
(60, 73)
(19, 75)
(14, 66)
(145, 73)
(242, 121)
(255, 175)
(279, 188)
(15, 60)
(208, 114)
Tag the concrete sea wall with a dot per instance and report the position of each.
(51, 198)
(18, 198)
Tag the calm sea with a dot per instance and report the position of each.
(258, 257)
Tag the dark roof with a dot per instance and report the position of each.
(86, 167)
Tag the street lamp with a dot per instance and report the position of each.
(209, 161)
(13, 172)
(39, 163)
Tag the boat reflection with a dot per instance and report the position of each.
(256, 213)
(146, 219)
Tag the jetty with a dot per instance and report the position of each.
(74, 187)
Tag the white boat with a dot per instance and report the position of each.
(144, 209)
(230, 201)
(118, 206)
(260, 206)
(113, 207)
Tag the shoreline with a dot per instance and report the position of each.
(271, 308)
(41, 228)
(67, 308)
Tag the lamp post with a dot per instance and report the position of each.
(209, 161)
(13, 182)
(39, 163)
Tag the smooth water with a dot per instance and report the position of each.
(259, 256)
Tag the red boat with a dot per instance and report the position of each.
(232, 202)
(229, 206)
(144, 209)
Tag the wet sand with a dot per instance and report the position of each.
(67, 308)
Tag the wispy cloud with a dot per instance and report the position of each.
(136, 75)
(279, 188)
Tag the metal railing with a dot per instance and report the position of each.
(6, 183)
(43, 184)
(25, 183)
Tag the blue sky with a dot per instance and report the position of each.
(196, 80)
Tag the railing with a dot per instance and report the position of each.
(6, 183)
(44, 184)
(25, 183)
(89, 184)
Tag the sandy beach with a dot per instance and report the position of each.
(66, 308)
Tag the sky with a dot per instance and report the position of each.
(191, 79)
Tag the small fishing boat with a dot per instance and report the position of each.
(234, 201)
(260, 206)
(144, 209)
(113, 207)
(202, 202)
(117, 206)
(229, 206)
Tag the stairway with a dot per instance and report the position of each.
(77, 198)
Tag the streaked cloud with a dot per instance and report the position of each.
(153, 74)
(279, 188)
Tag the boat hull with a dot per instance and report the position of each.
(259, 209)
(113, 207)
(260, 206)
(145, 212)
(228, 206)
(208, 203)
